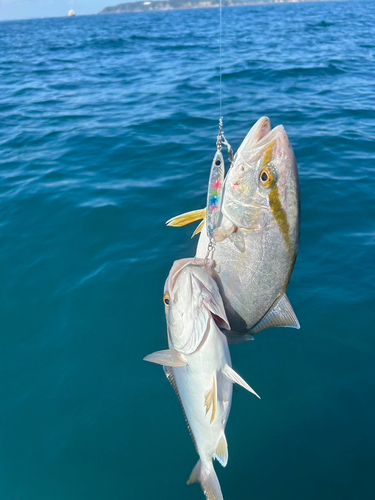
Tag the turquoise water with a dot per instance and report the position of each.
(107, 128)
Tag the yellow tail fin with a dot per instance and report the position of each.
(187, 218)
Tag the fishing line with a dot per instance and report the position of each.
(220, 63)
(221, 137)
(216, 180)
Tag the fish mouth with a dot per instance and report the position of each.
(257, 132)
(276, 135)
(179, 265)
(262, 138)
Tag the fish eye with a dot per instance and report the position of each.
(166, 299)
(217, 162)
(266, 177)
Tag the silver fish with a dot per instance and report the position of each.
(198, 365)
(257, 232)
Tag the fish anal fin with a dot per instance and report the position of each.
(280, 314)
(187, 218)
(169, 357)
(233, 377)
(221, 453)
(210, 400)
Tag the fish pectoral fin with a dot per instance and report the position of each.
(239, 241)
(221, 453)
(233, 377)
(280, 314)
(234, 338)
(187, 218)
(169, 357)
(211, 400)
(222, 233)
(214, 303)
(199, 228)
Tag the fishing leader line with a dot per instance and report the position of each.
(217, 173)
(220, 64)
(221, 137)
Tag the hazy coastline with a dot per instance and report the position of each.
(163, 5)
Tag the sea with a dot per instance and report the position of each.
(108, 128)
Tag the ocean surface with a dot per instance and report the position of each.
(107, 129)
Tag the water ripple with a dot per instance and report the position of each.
(108, 128)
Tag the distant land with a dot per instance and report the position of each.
(188, 4)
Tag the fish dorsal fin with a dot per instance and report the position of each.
(221, 453)
(233, 377)
(170, 376)
(169, 357)
(211, 400)
(280, 314)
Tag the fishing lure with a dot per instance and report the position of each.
(216, 183)
(215, 193)
(211, 214)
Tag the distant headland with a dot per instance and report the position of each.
(187, 4)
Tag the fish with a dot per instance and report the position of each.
(198, 364)
(257, 233)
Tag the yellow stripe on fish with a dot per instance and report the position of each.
(280, 216)
(267, 180)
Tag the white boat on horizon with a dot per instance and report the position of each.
(71, 13)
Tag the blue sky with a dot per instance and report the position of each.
(23, 9)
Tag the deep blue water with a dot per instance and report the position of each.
(107, 129)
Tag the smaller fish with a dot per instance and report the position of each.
(198, 364)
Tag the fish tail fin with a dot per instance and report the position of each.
(187, 218)
(208, 480)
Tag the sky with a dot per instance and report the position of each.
(24, 9)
